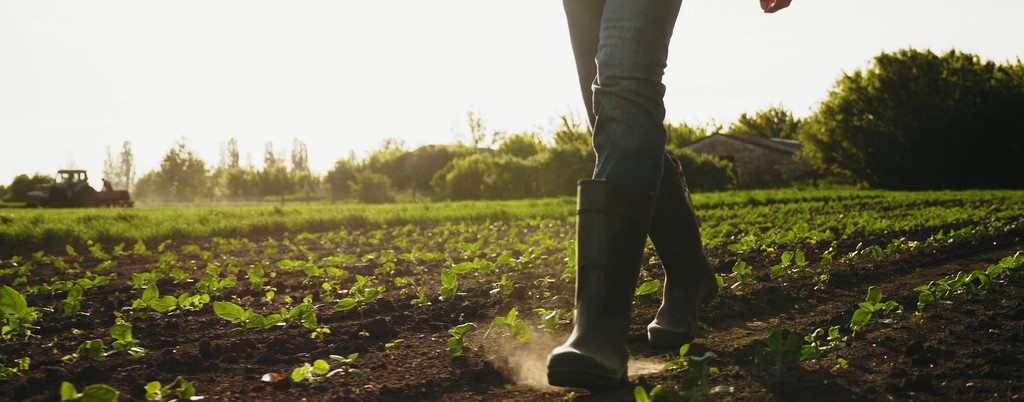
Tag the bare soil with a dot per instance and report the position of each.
(967, 350)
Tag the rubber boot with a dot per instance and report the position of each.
(611, 228)
(689, 278)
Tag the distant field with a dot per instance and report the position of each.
(44, 229)
(737, 214)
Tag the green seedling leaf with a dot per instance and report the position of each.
(647, 288)
(231, 312)
(73, 301)
(456, 344)
(449, 284)
(345, 304)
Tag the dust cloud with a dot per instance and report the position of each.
(525, 363)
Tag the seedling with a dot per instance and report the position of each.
(304, 314)
(92, 350)
(449, 284)
(181, 389)
(151, 299)
(362, 293)
(73, 301)
(143, 280)
(421, 299)
(645, 289)
(193, 302)
(7, 373)
(321, 369)
(246, 318)
(694, 373)
(97, 251)
(743, 274)
(515, 326)
(140, 249)
(550, 319)
(504, 286)
(319, 333)
(657, 393)
(779, 352)
(18, 316)
(91, 393)
(871, 305)
(345, 365)
(963, 284)
(256, 280)
(791, 263)
(457, 343)
(816, 347)
(123, 341)
(212, 283)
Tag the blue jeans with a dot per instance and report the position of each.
(621, 48)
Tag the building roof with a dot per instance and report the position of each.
(778, 144)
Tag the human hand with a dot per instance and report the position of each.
(771, 6)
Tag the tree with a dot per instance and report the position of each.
(300, 156)
(338, 179)
(522, 146)
(270, 159)
(414, 170)
(111, 166)
(229, 156)
(120, 169)
(773, 122)
(182, 177)
(127, 166)
(464, 178)
(238, 183)
(682, 134)
(917, 120)
(22, 185)
(372, 188)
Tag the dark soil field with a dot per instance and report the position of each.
(965, 350)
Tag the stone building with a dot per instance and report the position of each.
(758, 161)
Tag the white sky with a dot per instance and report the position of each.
(77, 77)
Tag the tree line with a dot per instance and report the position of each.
(911, 119)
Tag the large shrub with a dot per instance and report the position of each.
(917, 120)
(464, 178)
(22, 185)
(372, 188)
(705, 172)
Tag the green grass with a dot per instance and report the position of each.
(27, 230)
(743, 219)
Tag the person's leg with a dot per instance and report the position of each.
(614, 209)
(629, 132)
(689, 278)
(584, 17)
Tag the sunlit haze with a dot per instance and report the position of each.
(77, 77)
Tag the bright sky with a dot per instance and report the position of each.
(77, 77)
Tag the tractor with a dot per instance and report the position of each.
(72, 190)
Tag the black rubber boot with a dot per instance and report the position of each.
(611, 230)
(689, 278)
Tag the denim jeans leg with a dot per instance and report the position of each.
(629, 132)
(584, 17)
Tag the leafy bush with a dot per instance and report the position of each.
(705, 172)
(372, 188)
(916, 120)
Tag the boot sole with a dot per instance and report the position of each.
(578, 372)
(664, 338)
